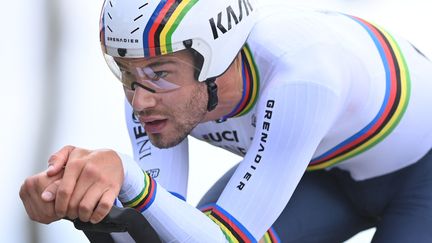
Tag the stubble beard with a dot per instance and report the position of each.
(184, 119)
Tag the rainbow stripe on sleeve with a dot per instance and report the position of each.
(395, 102)
(162, 24)
(271, 236)
(234, 231)
(146, 197)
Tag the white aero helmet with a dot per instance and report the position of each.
(215, 29)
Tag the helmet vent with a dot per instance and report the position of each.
(135, 30)
(145, 4)
(138, 17)
(109, 15)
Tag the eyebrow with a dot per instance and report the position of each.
(151, 65)
(160, 63)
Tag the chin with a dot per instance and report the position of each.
(159, 141)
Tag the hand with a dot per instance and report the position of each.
(90, 183)
(39, 205)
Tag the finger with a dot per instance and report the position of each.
(30, 193)
(44, 211)
(103, 207)
(41, 212)
(58, 160)
(50, 214)
(67, 186)
(85, 182)
(90, 201)
(49, 193)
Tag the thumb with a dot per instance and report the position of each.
(49, 193)
(58, 160)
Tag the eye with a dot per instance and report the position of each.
(156, 75)
(151, 74)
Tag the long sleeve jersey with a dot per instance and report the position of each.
(321, 90)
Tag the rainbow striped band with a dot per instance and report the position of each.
(162, 24)
(271, 236)
(395, 102)
(233, 230)
(250, 77)
(146, 197)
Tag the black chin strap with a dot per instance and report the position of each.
(212, 94)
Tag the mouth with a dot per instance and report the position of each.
(153, 125)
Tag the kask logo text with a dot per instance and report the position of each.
(244, 7)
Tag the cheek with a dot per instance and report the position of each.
(179, 97)
(198, 99)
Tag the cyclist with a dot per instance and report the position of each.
(291, 91)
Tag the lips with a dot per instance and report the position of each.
(153, 125)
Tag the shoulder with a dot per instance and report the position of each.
(299, 46)
(287, 30)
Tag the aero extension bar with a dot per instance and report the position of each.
(119, 220)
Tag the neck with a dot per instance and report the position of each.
(238, 88)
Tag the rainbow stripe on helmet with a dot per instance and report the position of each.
(162, 24)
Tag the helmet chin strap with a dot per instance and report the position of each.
(210, 82)
(212, 94)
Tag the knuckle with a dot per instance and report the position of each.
(109, 152)
(54, 157)
(72, 215)
(69, 147)
(97, 217)
(75, 163)
(105, 181)
(104, 206)
(29, 183)
(63, 192)
(60, 212)
(66, 150)
(22, 192)
(84, 209)
(73, 206)
(91, 171)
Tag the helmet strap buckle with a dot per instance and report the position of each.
(212, 94)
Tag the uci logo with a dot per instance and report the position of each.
(243, 6)
(230, 136)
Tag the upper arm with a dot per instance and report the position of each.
(293, 115)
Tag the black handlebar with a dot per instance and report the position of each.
(119, 220)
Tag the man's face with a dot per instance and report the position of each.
(168, 115)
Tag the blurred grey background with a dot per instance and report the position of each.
(56, 90)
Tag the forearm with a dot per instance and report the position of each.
(172, 218)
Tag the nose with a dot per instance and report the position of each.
(143, 99)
